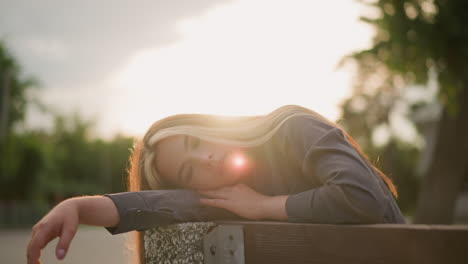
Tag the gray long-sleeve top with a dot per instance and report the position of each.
(325, 177)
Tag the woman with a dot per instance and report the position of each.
(290, 165)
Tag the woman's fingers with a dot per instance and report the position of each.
(68, 232)
(62, 221)
(32, 253)
(39, 240)
(220, 203)
(239, 199)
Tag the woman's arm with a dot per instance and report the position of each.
(96, 211)
(346, 188)
(62, 221)
(142, 210)
(119, 213)
(343, 188)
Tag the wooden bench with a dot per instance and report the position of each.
(276, 242)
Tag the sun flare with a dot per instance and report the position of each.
(238, 161)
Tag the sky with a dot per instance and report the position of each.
(127, 64)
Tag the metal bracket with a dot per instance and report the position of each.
(224, 245)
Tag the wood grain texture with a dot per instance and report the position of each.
(313, 243)
(275, 242)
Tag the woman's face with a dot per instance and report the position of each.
(189, 162)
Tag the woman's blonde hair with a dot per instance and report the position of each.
(245, 131)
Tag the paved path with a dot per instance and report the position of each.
(90, 245)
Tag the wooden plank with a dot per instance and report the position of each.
(275, 242)
(270, 242)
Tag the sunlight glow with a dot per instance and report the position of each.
(246, 57)
(238, 161)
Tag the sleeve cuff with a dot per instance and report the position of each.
(129, 205)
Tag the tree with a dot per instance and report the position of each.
(39, 168)
(20, 156)
(13, 89)
(78, 164)
(47, 166)
(413, 37)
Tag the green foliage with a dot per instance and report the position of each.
(40, 168)
(10, 75)
(49, 166)
(46, 167)
(79, 165)
(20, 164)
(20, 155)
(412, 38)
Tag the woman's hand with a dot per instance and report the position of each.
(245, 202)
(239, 199)
(62, 221)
